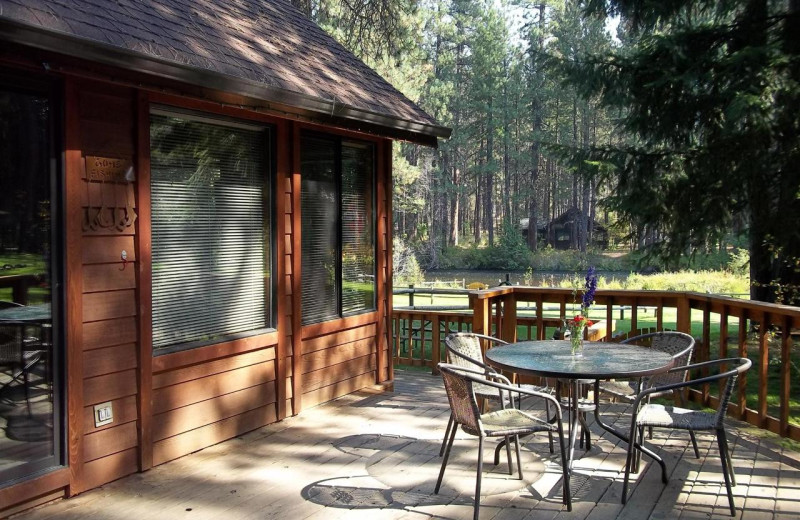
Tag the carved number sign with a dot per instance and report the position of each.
(106, 169)
(109, 197)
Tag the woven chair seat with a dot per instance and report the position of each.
(486, 391)
(619, 389)
(658, 415)
(512, 422)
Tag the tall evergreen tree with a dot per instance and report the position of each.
(710, 96)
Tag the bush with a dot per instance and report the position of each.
(406, 268)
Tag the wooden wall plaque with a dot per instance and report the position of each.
(107, 169)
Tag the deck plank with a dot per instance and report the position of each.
(375, 456)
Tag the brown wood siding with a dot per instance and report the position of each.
(171, 405)
(199, 405)
(338, 363)
(108, 310)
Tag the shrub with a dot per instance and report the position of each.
(406, 268)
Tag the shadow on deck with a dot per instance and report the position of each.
(375, 456)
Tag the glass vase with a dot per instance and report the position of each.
(576, 341)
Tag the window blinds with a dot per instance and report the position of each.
(358, 233)
(338, 227)
(210, 230)
(320, 229)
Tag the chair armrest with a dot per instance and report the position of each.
(473, 376)
(490, 338)
(743, 365)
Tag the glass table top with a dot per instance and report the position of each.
(552, 358)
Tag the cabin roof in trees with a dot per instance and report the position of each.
(572, 215)
(567, 217)
(265, 51)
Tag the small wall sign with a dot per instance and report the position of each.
(109, 201)
(107, 169)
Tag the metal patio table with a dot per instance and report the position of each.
(600, 360)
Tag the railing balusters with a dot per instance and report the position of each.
(706, 348)
(723, 340)
(495, 312)
(743, 353)
(763, 369)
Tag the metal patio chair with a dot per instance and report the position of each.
(660, 416)
(460, 383)
(18, 355)
(681, 347)
(464, 350)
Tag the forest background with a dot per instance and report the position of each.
(673, 124)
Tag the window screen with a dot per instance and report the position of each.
(338, 235)
(210, 230)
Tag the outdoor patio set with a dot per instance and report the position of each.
(638, 370)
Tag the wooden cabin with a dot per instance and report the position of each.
(562, 231)
(195, 231)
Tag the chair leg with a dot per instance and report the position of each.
(519, 459)
(723, 451)
(508, 456)
(629, 462)
(694, 445)
(564, 468)
(637, 455)
(691, 433)
(478, 478)
(446, 434)
(549, 433)
(731, 472)
(446, 456)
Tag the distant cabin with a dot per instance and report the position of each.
(562, 231)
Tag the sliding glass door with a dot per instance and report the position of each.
(30, 260)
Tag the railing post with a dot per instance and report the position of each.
(684, 319)
(509, 332)
(480, 315)
(411, 296)
(436, 347)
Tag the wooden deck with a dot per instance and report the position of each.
(375, 456)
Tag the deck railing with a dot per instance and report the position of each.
(768, 396)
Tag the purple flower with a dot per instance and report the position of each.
(589, 288)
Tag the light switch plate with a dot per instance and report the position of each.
(103, 414)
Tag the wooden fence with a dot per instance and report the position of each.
(768, 396)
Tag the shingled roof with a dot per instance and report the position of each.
(266, 49)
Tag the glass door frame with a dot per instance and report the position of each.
(28, 83)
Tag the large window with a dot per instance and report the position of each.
(210, 230)
(31, 346)
(338, 236)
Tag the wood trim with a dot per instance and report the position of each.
(30, 489)
(282, 151)
(389, 263)
(336, 325)
(211, 352)
(212, 108)
(144, 284)
(294, 183)
(380, 246)
(300, 126)
(74, 286)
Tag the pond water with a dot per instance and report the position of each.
(495, 277)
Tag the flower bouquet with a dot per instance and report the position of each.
(577, 325)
